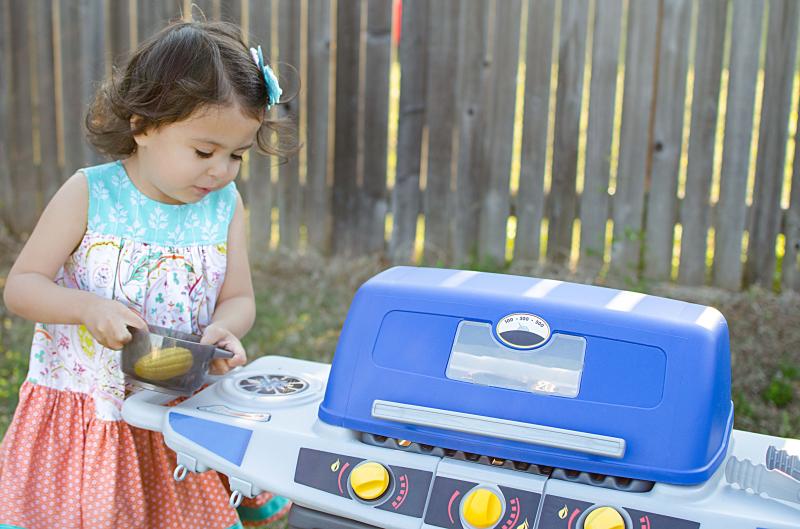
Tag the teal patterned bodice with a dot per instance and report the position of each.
(117, 207)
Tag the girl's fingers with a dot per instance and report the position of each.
(125, 336)
(213, 335)
(237, 360)
(135, 320)
(218, 367)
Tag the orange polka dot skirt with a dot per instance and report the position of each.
(63, 468)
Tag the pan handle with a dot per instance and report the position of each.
(222, 353)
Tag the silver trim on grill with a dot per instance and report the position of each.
(538, 434)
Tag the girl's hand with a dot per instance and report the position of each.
(108, 321)
(225, 339)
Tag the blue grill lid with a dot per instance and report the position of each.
(536, 370)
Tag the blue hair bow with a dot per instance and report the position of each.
(273, 88)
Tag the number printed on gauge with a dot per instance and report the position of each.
(522, 330)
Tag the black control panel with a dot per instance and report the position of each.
(566, 513)
(408, 490)
(329, 472)
(443, 508)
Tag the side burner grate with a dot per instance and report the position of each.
(272, 385)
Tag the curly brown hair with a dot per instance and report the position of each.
(183, 67)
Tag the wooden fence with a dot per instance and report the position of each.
(652, 138)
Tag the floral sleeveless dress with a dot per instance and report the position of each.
(68, 460)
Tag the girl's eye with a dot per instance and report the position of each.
(237, 157)
(202, 154)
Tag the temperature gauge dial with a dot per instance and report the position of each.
(522, 330)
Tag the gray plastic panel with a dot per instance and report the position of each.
(302, 518)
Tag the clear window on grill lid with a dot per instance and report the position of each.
(479, 358)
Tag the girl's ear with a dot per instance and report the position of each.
(141, 138)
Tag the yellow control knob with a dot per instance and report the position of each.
(482, 508)
(604, 518)
(369, 480)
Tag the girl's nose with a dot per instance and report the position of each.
(220, 169)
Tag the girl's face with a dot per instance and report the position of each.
(182, 162)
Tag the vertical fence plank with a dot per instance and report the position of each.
(50, 176)
(707, 75)
(71, 81)
(406, 194)
(231, 11)
(791, 259)
(154, 16)
(473, 76)
(562, 199)
(204, 9)
(24, 177)
(92, 62)
(319, 46)
(732, 206)
(289, 193)
(258, 192)
(673, 63)
(345, 218)
(6, 111)
(778, 78)
(530, 197)
(600, 129)
(373, 201)
(441, 115)
(120, 30)
(82, 42)
(634, 142)
(505, 60)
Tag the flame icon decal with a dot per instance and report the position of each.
(335, 466)
(523, 525)
(563, 512)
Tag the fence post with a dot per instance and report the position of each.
(732, 205)
(6, 108)
(711, 22)
(24, 176)
(637, 111)
(441, 115)
(571, 54)
(50, 177)
(406, 195)
(373, 200)
(600, 130)
(500, 130)
(778, 78)
(345, 162)
(258, 190)
(289, 205)
(791, 259)
(317, 189)
(673, 64)
(473, 78)
(538, 66)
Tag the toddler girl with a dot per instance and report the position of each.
(156, 237)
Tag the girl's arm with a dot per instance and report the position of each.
(236, 306)
(30, 290)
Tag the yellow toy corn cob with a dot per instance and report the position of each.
(163, 364)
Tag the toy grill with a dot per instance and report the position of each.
(471, 400)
